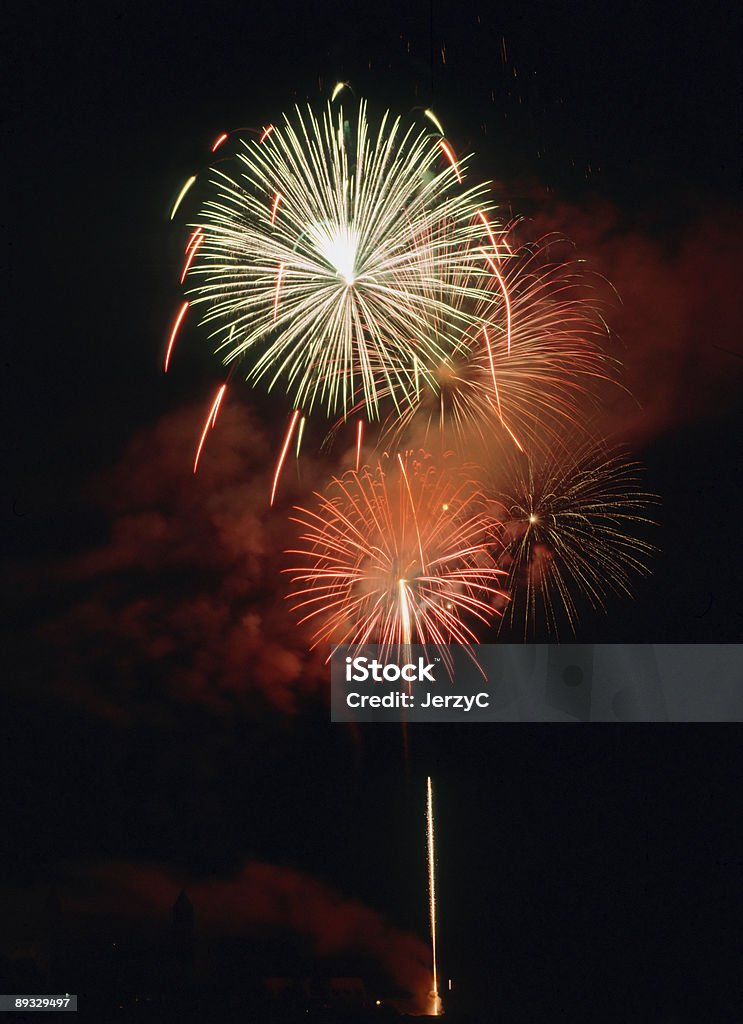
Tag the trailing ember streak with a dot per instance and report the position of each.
(284, 450)
(489, 230)
(432, 895)
(192, 253)
(192, 238)
(492, 369)
(506, 299)
(451, 158)
(359, 436)
(300, 434)
(432, 117)
(218, 142)
(181, 195)
(405, 613)
(412, 509)
(210, 421)
(265, 133)
(497, 394)
(279, 276)
(173, 333)
(275, 207)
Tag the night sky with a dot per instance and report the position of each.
(158, 709)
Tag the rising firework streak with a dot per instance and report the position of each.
(436, 1007)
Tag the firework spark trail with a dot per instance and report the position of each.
(211, 419)
(193, 247)
(171, 341)
(279, 276)
(400, 554)
(275, 207)
(432, 895)
(300, 434)
(182, 195)
(451, 158)
(432, 117)
(326, 260)
(506, 299)
(569, 518)
(192, 239)
(287, 441)
(359, 439)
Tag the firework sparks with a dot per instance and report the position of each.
(211, 420)
(173, 334)
(451, 158)
(282, 457)
(193, 248)
(398, 555)
(192, 239)
(300, 434)
(568, 519)
(529, 369)
(434, 120)
(182, 195)
(506, 299)
(359, 440)
(275, 207)
(338, 291)
(347, 265)
(436, 999)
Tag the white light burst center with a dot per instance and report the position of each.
(338, 245)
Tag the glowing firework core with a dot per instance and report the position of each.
(338, 245)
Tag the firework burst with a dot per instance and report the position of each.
(328, 261)
(523, 364)
(399, 554)
(569, 522)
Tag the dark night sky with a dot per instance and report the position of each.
(589, 860)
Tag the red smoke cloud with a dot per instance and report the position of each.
(260, 896)
(676, 313)
(184, 600)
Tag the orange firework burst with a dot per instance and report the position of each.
(399, 554)
(526, 366)
(568, 524)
